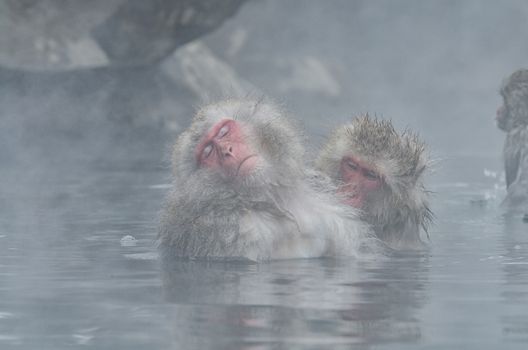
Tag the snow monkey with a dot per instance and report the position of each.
(512, 118)
(241, 190)
(381, 172)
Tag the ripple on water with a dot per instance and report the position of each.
(74, 280)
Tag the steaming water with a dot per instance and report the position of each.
(78, 269)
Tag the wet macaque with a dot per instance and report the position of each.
(241, 190)
(512, 118)
(380, 172)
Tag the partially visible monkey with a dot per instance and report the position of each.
(381, 172)
(512, 118)
(241, 190)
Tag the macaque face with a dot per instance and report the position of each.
(224, 148)
(359, 181)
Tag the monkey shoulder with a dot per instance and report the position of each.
(516, 168)
(194, 226)
(226, 225)
(516, 139)
(511, 154)
(516, 155)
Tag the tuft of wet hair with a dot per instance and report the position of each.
(517, 80)
(373, 138)
(399, 156)
(400, 159)
(514, 91)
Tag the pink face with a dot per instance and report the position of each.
(359, 181)
(224, 148)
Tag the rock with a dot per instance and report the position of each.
(58, 35)
(204, 74)
(142, 32)
(82, 79)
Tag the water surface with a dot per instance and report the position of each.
(79, 269)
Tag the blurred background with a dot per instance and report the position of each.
(93, 94)
(116, 80)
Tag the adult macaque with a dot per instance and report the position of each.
(512, 118)
(380, 172)
(241, 190)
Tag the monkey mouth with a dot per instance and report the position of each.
(354, 200)
(351, 196)
(242, 163)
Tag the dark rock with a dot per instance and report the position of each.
(58, 35)
(94, 114)
(142, 32)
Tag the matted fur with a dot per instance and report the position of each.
(279, 211)
(401, 160)
(514, 91)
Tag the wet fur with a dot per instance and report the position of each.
(279, 211)
(400, 211)
(515, 152)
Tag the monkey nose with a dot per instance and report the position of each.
(227, 150)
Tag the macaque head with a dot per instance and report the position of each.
(514, 110)
(378, 170)
(239, 141)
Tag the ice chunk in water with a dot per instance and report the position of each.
(128, 241)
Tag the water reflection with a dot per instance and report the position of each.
(69, 278)
(514, 318)
(65, 280)
(297, 302)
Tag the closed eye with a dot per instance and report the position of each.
(223, 131)
(370, 175)
(352, 165)
(207, 151)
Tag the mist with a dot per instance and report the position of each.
(92, 97)
(435, 66)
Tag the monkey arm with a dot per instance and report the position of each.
(511, 167)
(518, 189)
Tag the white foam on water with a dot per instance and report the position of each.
(128, 241)
(160, 186)
(142, 256)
